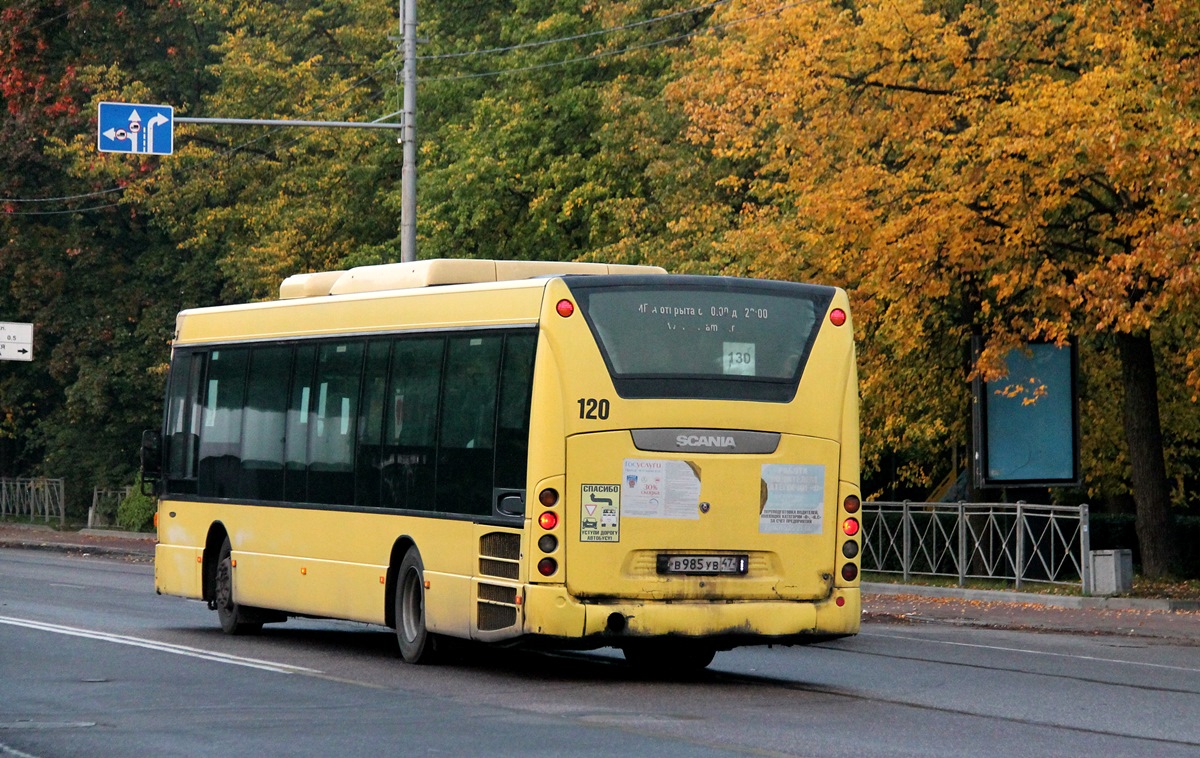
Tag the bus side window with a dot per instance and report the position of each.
(331, 434)
(467, 435)
(183, 423)
(512, 434)
(299, 418)
(410, 428)
(264, 422)
(369, 459)
(221, 426)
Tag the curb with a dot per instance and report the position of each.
(75, 547)
(119, 533)
(1056, 601)
(133, 546)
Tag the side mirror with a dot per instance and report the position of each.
(511, 504)
(151, 460)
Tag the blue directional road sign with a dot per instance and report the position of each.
(136, 128)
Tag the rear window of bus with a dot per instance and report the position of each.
(702, 337)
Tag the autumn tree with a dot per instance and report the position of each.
(98, 282)
(1017, 170)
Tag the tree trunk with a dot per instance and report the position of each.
(1143, 434)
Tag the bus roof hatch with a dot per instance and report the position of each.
(439, 271)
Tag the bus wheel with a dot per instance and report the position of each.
(228, 611)
(416, 643)
(671, 657)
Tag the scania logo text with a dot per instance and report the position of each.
(696, 440)
(705, 441)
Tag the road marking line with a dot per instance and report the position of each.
(1094, 658)
(164, 647)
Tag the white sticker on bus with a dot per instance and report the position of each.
(660, 489)
(600, 513)
(795, 499)
(738, 358)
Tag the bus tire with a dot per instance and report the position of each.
(670, 657)
(417, 645)
(233, 620)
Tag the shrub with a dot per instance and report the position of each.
(136, 512)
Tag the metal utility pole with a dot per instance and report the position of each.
(408, 177)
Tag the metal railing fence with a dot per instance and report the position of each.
(35, 498)
(1019, 542)
(105, 503)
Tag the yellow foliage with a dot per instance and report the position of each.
(1017, 170)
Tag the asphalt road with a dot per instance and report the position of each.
(93, 663)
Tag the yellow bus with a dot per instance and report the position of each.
(559, 455)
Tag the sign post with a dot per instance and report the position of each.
(16, 341)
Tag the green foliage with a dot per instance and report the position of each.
(136, 512)
(264, 203)
(553, 151)
(960, 167)
(99, 282)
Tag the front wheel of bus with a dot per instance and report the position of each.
(416, 643)
(228, 611)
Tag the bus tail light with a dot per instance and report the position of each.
(851, 504)
(549, 542)
(565, 308)
(837, 317)
(850, 527)
(849, 572)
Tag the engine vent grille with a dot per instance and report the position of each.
(501, 545)
(500, 555)
(499, 569)
(497, 606)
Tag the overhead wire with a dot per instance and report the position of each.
(61, 198)
(223, 153)
(62, 212)
(574, 37)
(611, 53)
(556, 64)
(391, 64)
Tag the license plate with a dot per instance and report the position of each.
(703, 564)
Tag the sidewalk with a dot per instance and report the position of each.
(128, 546)
(1172, 621)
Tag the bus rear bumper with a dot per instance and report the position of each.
(550, 611)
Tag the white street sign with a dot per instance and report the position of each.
(16, 341)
